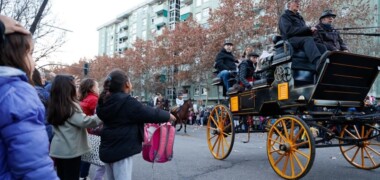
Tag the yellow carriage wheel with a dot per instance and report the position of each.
(290, 147)
(364, 154)
(220, 132)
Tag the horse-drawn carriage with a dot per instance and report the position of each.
(310, 109)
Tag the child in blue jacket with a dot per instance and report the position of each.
(24, 144)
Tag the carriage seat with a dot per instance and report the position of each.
(285, 52)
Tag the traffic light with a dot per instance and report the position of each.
(85, 69)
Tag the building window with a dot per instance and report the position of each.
(143, 36)
(133, 17)
(206, 13)
(198, 17)
(196, 91)
(144, 22)
(199, 2)
(200, 91)
(133, 29)
(204, 91)
(172, 26)
(144, 10)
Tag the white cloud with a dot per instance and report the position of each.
(83, 17)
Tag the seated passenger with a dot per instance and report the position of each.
(294, 29)
(246, 52)
(247, 70)
(225, 63)
(327, 35)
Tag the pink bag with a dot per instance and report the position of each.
(158, 142)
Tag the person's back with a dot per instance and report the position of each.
(123, 118)
(43, 94)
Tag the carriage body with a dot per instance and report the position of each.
(304, 103)
(344, 81)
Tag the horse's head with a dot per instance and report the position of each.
(188, 104)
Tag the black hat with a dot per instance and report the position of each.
(228, 43)
(288, 1)
(253, 54)
(327, 13)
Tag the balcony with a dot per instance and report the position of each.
(185, 10)
(187, 2)
(161, 9)
(185, 13)
(160, 21)
(123, 45)
(123, 34)
(123, 24)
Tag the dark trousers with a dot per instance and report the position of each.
(84, 169)
(307, 45)
(68, 169)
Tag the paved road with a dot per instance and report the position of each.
(193, 161)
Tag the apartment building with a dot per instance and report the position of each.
(148, 20)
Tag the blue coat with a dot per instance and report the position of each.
(24, 145)
(43, 94)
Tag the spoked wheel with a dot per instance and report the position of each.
(220, 132)
(363, 154)
(290, 147)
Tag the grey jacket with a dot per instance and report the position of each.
(70, 139)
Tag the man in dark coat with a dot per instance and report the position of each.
(327, 35)
(225, 63)
(293, 28)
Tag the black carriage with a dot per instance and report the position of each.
(311, 110)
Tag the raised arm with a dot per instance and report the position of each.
(11, 26)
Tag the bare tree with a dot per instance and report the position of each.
(36, 16)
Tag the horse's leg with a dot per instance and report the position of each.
(180, 126)
(185, 127)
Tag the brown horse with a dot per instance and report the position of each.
(183, 114)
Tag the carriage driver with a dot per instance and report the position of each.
(327, 35)
(293, 28)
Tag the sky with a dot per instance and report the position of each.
(83, 17)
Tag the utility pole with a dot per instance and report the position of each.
(38, 17)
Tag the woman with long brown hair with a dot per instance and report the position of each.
(24, 143)
(70, 137)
